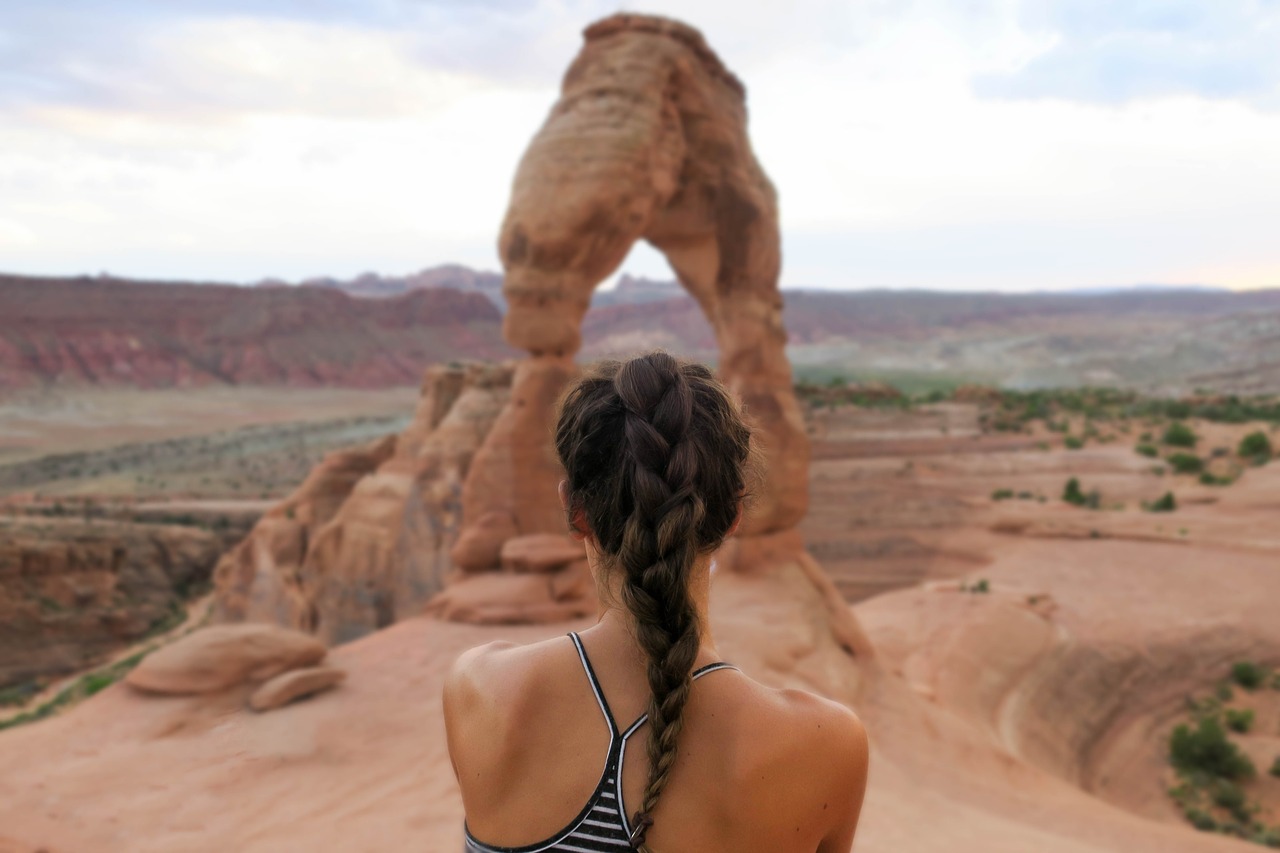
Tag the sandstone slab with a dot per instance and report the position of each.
(295, 684)
(223, 656)
(540, 552)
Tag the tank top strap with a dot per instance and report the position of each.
(697, 673)
(595, 685)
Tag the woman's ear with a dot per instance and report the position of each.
(577, 518)
(737, 521)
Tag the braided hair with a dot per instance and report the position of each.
(656, 455)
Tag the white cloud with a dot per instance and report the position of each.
(238, 146)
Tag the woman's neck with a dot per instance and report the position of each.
(616, 621)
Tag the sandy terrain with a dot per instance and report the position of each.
(207, 442)
(1030, 717)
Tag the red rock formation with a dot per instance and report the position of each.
(114, 332)
(224, 656)
(365, 540)
(648, 141)
(71, 592)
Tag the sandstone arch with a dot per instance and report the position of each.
(647, 141)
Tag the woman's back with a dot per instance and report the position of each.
(656, 455)
(759, 769)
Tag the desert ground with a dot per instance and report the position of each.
(216, 442)
(1031, 660)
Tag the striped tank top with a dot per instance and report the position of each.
(602, 825)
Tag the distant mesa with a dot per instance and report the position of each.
(117, 333)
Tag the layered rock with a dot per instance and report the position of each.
(73, 592)
(648, 140)
(114, 332)
(365, 540)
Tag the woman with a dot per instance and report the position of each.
(633, 735)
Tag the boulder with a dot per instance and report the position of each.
(540, 552)
(223, 656)
(295, 684)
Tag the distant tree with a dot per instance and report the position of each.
(1179, 434)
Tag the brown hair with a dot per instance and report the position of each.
(656, 455)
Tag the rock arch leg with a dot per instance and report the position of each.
(648, 140)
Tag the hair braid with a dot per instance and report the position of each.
(658, 552)
(655, 452)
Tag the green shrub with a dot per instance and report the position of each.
(1275, 767)
(1002, 494)
(1075, 496)
(1179, 434)
(1166, 503)
(1072, 493)
(1207, 479)
(1248, 674)
(1149, 450)
(1185, 463)
(1255, 445)
(1201, 820)
(1239, 720)
(1073, 442)
(1206, 749)
(1229, 796)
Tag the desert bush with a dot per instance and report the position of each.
(1275, 767)
(1073, 442)
(1207, 479)
(1185, 463)
(1002, 494)
(1229, 796)
(1255, 445)
(1148, 450)
(1166, 503)
(1238, 720)
(1074, 495)
(1223, 692)
(1178, 434)
(1248, 674)
(1206, 749)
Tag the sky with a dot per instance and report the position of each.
(1009, 145)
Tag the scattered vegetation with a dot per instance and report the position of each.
(1002, 494)
(1255, 446)
(1073, 442)
(1211, 767)
(1208, 479)
(1166, 503)
(1185, 463)
(979, 586)
(82, 688)
(1275, 767)
(1148, 450)
(1074, 495)
(1205, 750)
(1239, 721)
(1248, 675)
(1178, 434)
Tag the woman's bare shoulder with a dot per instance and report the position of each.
(810, 730)
(496, 674)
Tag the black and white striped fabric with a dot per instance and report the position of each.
(602, 825)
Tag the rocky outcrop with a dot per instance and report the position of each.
(113, 332)
(294, 685)
(73, 592)
(365, 540)
(224, 656)
(648, 141)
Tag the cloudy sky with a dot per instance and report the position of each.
(992, 144)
